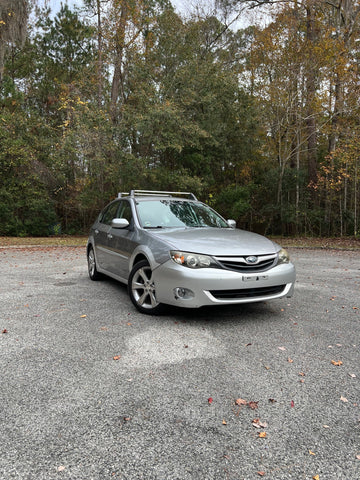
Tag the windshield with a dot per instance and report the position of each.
(178, 213)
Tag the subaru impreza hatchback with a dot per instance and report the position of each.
(171, 249)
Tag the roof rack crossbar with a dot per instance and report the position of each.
(134, 193)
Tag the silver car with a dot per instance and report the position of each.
(171, 249)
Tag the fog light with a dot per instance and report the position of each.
(183, 293)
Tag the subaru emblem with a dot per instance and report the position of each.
(252, 260)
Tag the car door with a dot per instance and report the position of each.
(121, 242)
(101, 235)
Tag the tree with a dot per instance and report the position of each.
(13, 23)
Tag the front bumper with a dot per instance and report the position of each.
(212, 286)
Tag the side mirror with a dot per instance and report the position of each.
(231, 223)
(119, 223)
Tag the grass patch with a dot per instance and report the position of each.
(339, 243)
(54, 241)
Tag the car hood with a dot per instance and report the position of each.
(216, 241)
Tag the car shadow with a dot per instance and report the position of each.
(254, 312)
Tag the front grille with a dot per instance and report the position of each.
(239, 264)
(247, 292)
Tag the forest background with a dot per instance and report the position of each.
(261, 122)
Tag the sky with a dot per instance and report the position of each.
(55, 4)
(182, 6)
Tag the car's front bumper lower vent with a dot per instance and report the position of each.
(249, 264)
(247, 292)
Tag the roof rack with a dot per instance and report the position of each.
(151, 193)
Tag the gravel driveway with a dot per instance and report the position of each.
(91, 389)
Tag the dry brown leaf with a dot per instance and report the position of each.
(117, 357)
(261, 473)
(343, 399)
(262, 435)
(224, 422)
(316, 477)
(241, 401)
(358, 457)
(336, 363)
(253, 405)
(258, 424)
(311, 453)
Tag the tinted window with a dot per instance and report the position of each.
(110, 213)
(125, 211)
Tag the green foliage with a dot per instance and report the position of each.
(139, 97)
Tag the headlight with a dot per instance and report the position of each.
(192, 260)
(283, 256)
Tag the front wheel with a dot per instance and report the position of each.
(141, 289)
(93, 273)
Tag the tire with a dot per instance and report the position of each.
(93, 273)
(142, 289)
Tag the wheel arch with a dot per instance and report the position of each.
(142, 253)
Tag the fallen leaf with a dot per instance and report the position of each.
(290, 360)
(311, 453)
(253, 405)
(4, 331)
(282, 348)
(61, 468)
(258, 424)
(326, 426)
(127, 419)
(302, 374)
(241, 401)
(117, 357)
(210, 400)
(358, 457)
(352, 375)
(292, 404)
(272, 400)
(262, 434)
(82, 316)
(248, 344)
(336, 363)
(343, 399)
(224, 422)
(316, 477)
(261, 473)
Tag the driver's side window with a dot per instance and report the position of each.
(125, 211)
(110, 213)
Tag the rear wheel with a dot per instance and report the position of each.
(141, 289)
(93, 273)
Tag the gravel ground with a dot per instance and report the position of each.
(91, 389)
